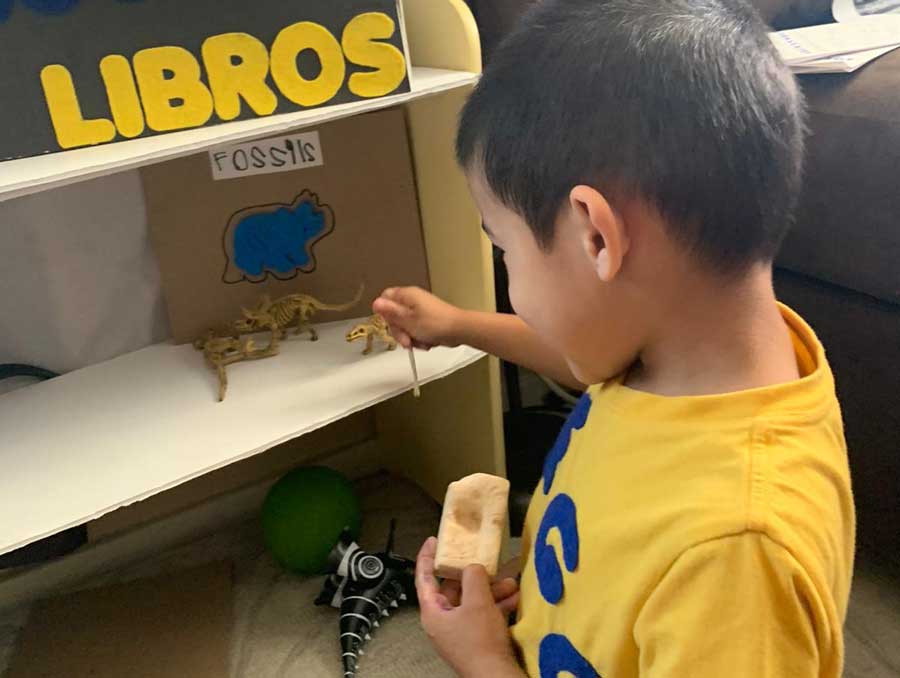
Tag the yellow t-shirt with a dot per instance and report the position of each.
(693, 537)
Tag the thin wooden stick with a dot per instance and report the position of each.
(412, 363)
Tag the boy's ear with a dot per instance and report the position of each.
(605, 237)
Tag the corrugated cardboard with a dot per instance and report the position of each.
(364, 189)
(173, 626)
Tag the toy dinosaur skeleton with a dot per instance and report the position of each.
(374, 328)
(294, 309)
(224, 347)
(365, 587)
(223, 351)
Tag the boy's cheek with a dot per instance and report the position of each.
(602, 355)
(588, 374)
(522, 296)
(543, 300)
(529, 303)
(580, 374)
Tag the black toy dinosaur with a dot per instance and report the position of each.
(365, 587)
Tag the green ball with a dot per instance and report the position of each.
(303, 517)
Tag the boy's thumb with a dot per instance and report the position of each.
(392, 311)
(476, 586)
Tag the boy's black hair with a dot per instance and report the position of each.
(683, 103)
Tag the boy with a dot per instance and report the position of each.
(638, 161)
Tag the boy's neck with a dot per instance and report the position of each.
(710, 339)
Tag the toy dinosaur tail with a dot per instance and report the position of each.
(350, 645)
(319, 306)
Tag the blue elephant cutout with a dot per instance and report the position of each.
(277, 240)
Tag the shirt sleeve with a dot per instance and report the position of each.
(738, 606)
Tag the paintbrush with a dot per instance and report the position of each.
(415, 372)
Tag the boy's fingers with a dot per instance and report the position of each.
(402, 295)
(444, 603)
(476, 586)
(392, 311)
(426, 584)
(431, 600)
(504, 588)
(509, 605)
(425, 559)
(451, 589)
(398, 319)
(402, 337)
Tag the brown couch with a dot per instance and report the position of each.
(840, 267)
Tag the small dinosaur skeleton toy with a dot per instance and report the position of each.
(371, 329)
(224, 347)
(376, 327)
(277, 316)
(365, 587)
(223, 351)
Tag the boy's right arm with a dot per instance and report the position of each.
(420, 319)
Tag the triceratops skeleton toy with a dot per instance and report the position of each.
(365, 587)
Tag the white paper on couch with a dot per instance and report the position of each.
(837, 47)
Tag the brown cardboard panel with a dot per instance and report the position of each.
(173, 626)
(363, 195)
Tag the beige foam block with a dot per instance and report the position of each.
(471, 531)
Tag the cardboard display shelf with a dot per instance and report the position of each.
(34, 174)
(89, 442)
(324, 230)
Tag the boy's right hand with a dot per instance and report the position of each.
(418, 319)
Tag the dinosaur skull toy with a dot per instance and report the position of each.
(365, 587)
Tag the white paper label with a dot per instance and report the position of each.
(267, 156)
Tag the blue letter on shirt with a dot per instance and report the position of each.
(560, 514)
(575, 421)
(557, 654)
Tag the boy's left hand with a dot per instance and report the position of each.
(472, 637)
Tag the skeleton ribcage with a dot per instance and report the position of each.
(283, 314)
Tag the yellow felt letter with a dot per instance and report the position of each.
(288, 45)
(166, 75)
(361, 48)
(72, 130)
(229, 81)
(121, 90)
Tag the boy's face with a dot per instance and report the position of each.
(557, 291)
